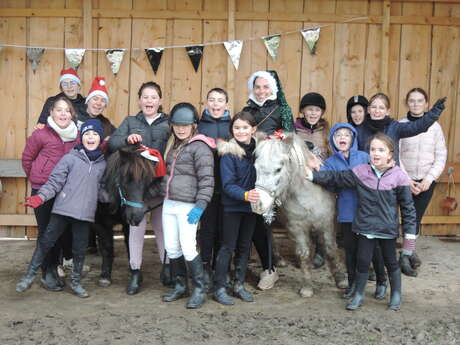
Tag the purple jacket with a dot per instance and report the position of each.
(44, 148)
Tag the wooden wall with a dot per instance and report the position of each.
(397, 46)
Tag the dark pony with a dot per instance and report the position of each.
(129, 180)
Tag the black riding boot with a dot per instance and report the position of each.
(360, 282)
(75, 277)
(207, 276)
(134, 284)
(350, 291)
(380, 290)
(241, 264)
(179, 273)
(395, 284)
(198, 296)
(26, 281)
(50, 279)
(220, 277)
(105, 279)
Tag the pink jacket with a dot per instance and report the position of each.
(44, 148)
(424, 156)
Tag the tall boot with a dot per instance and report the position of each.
(179, 273)
(75, 277)
(135, 281)
(395, 283)
(380, 290)
(105, 279)
(50, 280)
(220, 277)
(207, 276)
(241, 264)
(360, 282)
(37, 258)
(350, 291)
(198, 296)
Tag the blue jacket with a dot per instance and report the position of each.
(215, 128)
(347, 199)
(238, 176)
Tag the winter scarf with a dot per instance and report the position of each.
(66, 134)
(377, 125)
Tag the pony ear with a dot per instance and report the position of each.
(260, 136)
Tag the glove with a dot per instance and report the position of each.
(33, 201)
(406, 268)
(194, 215)
(440, 104)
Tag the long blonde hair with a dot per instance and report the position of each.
(173, 140)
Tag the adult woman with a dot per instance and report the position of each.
(268, 105)
(43, 150)
(151, 128)
(423, 157)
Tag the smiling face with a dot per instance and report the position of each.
(61, 114)
(149, 101)
(312, 114)
(357, 114)
(216, 104)
(342, 139)
(378, 109)
(70, 88)
(90, 140)
(183, 131)
(262, 89)
(417, 103)
(380, 154)
(96, 105)
(243, 131)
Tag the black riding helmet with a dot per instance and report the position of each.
(358, 99)
(183, 114)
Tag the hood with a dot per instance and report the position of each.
(230, 147)
(207, 140)
(354, 142)
(206, 117)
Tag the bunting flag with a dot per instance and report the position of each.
(234, 49)
(154, 56)
(195, 53)
(272, 43)
(34, 55)
(115, 57)
(75, 56)
(311, 36)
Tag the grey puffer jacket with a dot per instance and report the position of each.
(190, 172)
(76, 182)
(154, 136)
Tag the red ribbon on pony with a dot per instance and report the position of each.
(154, 155)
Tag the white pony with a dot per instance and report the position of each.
(307, 209)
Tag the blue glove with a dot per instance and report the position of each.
(194, 215)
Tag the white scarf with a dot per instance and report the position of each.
(66, 134)
(254, 99)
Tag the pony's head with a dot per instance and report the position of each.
(128, 178)
(281, 163)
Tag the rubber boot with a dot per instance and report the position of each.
(241, 264)
(198, 296)
(134, 284)
(350, 290)
(220, 295)
(49, 279)
(380, 290)
(75, 277)
(105, 279)
(166, 277)
(395, 284)
(179, 273)
(26, 281)
(360, 282)
(207, 276)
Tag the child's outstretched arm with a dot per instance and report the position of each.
(337, 179)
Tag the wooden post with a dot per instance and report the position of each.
(385, 49)
(230, 67)
(87, 43)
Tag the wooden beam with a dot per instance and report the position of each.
(87, 43)
(230, 67)
(17, 220)
(11, 168)
(39, 12)
(159, 14)
(385, 47)
(441, 220)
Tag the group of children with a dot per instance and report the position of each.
(210, 180)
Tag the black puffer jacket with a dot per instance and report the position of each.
(273, 122)
(154, 136)
(190, 172)
(78, 104)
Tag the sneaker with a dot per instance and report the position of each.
(61, 272)
(268, 279)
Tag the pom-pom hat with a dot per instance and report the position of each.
(98, 88)
(71, 74)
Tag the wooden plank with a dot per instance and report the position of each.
(440, 230)
(394, 56)
(385, 46)
(319, 6)
(87, 66)
(11, 168)
(456, 174)
(230, 67)
(18, 220)
(40, 12)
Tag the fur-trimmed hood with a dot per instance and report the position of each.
(230, 147)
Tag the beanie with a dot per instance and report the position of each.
(358, 99)
(312, 98)
(98, 88)
(69, 73)
(92, 125)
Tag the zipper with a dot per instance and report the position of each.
(172, 174)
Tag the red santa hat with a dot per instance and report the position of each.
(69, 73)
(98, 88)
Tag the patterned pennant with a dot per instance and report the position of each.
(272, 43)
(234, 49)
(115, 57)
(75, 56)
(311, 36)
(34, 55)
(195, 53)
(154, 56)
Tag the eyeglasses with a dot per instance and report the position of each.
(69, 83)
(342, 135)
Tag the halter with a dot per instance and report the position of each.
(124, 201)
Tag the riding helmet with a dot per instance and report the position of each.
(183, 114)
(313, 98)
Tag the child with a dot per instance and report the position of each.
(313, 128)
(382, 188)
(75, 181)
(188, 186)
(214, 123)
(238, 181)
(356, 110)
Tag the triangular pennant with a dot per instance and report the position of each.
(272, 43)
(195, 53)
(115, 57)
(234, 49)
(154, 56)
(34, 55)
(311, 36)
(75, 56)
